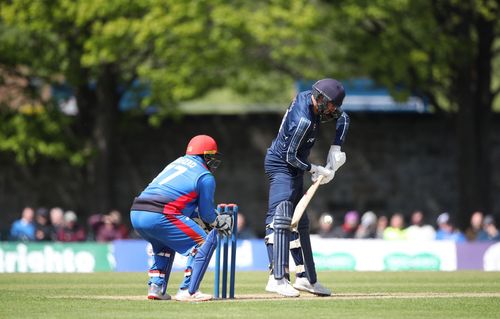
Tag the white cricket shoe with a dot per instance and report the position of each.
(302, 284)
(184, 295)
(272, 284)
(155, 293)
(282, 287)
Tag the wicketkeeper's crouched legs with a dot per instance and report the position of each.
(163, 254)
(201, 260)
(159, 273)
(188, 271)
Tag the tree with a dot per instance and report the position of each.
(179, 49)
(443, 50)
(59, 39)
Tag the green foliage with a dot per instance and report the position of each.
(417, 45)
(184, 49)
(43, 133)
(181, 49)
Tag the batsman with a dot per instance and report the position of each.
(285, 163)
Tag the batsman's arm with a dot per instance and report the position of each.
(297, 136)
(341, 128)
(336, 158)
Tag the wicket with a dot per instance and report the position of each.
(224, 242)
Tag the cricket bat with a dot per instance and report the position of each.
(304, 201)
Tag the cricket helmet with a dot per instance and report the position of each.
(332, 91)
(205, 146)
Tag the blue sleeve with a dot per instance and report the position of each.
(341, 129)
(293, 147)
(439, 235)
(206, 192)
(461, 238)
(14, 231)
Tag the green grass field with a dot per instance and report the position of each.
(356, 295)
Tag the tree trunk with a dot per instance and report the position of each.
(474, 125)
(103, 135)
(484, 100)
(86, 101)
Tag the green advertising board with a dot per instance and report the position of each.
(335, 261)
(421, 261)
(55, 257)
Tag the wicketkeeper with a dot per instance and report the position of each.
(285, 164)
(163, 215)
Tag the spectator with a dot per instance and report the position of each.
(93, 223)
(23, 229)
(419, 231)
(107, 230)
(348, 229)
(475, 231)
(447, 231)
(71, 231)
(56, 218)
(116, 219)
(368, 226)
(395, 231)
(490, 227)
(244, 231)
(43, 229)
(326, 226)
(381, 226)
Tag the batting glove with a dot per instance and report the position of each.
(328, 178)
(224, 224)
(335, 159)
(317, 170)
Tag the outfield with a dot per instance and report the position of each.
(356, 295)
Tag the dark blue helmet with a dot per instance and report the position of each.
(332, 91)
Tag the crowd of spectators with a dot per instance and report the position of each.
(369, 225)
(55, 224)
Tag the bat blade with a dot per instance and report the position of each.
(304, 201)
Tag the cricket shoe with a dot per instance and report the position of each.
(281, 286)
(155, 293)
(184, 295)
(303, 284)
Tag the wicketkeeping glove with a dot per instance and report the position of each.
(206, 226)
(317, 170)
(224, 224)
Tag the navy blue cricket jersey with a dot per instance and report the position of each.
(297, 134)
